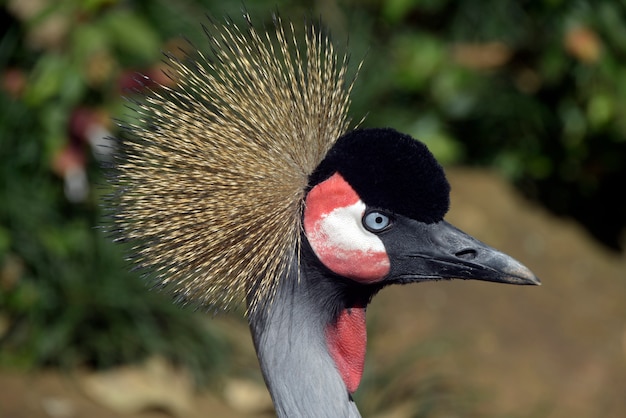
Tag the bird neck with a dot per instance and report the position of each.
(310, 341)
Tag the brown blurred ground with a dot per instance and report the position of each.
(553, 351)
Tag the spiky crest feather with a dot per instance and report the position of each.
(211, 179)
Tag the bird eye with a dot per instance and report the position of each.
(376, 221)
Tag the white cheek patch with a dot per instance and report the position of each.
(333, 226)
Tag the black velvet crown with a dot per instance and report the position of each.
(389, 170)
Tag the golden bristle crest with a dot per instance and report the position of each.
(211, 180)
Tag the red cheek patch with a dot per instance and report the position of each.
(330, 194)
(333, 226)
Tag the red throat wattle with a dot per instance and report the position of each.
(346, 340)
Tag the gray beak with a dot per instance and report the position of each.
(441, 251)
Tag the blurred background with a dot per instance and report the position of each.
(524, 102)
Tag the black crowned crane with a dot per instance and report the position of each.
(242, 184)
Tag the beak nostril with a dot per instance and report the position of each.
(466, 254)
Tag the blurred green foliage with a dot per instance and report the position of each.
(534, 89)
(67, 297)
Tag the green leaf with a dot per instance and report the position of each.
(46, 79)
(417, 58)
(132, 35)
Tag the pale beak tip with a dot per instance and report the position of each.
(524, 276)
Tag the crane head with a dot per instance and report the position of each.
(374, 214)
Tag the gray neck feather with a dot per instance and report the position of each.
(291, 347)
